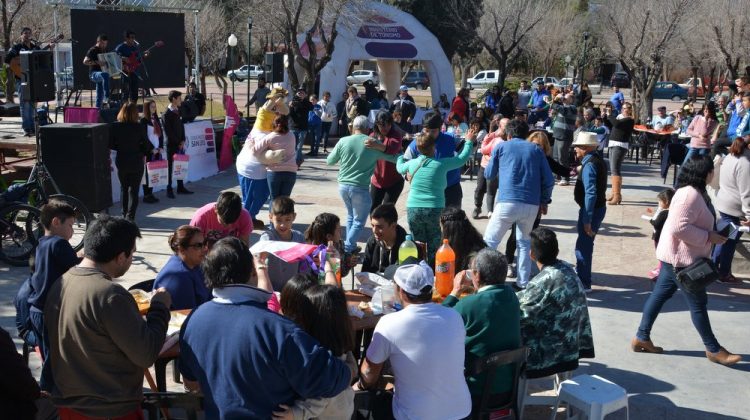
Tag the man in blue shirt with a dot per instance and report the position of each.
(617, 99)
(129, 50)
(525, 190)
(538, 107)
(445, 147)
(589, 193)
(247, 369)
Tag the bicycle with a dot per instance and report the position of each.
(20, 230)
(38, 196)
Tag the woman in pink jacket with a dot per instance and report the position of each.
(700, 130)
(687, 236)
(483, 185)
(282, 175)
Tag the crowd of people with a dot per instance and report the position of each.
(293, 354)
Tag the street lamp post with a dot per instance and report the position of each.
(232, 42)
(249, 40)
(567, 65)
(583, 60)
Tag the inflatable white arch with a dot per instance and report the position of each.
(385, 35)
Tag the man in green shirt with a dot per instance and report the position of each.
(356, 155)
(491, 316)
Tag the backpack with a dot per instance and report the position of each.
(23, 310)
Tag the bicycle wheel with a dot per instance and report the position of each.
(83, 218)
(20, 230)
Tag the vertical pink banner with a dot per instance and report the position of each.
(230, 125)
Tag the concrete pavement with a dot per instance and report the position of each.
(679, 384)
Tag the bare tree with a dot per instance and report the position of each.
(504, 28)
(639, 32)
(214, 27)
(548, 42)
(318, 20)
(729, 21)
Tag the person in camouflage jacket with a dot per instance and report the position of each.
(555, 321)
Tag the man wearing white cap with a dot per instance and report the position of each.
(589, 193)
(405, 104)
(424, 343)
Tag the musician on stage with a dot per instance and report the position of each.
(27, 108)
(129, 49)
(96, 73)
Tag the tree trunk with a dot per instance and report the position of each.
(694, 73)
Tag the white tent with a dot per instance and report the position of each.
(385, 35)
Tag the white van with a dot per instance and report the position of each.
(485, 78)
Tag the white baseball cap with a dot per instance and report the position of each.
(412, 278)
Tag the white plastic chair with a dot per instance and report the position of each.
(593, 395)
(524, 398)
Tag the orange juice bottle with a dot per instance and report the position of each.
(445, 269)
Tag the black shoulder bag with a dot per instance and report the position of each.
(698, 275)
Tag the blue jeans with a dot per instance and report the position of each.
(27, 110)
(317, 132)
(102, 86)
(666, 285)
(37, 321)
(523, 215)
(281, 183)
(695, 151)
(724, 253)
(357, 201)
(254, 194)
(585, 245)
(300, 135)
(325, 131)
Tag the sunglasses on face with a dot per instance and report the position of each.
(197, 245)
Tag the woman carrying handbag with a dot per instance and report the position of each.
(684, 248)
(155, 133)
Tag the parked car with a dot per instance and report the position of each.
(547, 80)
(417, 79)
(701, 88)
(620, 79)
(360, 76)
(670, 90)
(566, 81)
(485, 78)
(241, 73)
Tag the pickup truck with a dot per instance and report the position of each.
(701, 86)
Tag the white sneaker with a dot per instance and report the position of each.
(563, 183)
(489, 215)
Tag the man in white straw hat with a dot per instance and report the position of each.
(425, 344)
(589, 193)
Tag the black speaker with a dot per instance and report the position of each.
(77, 157)
(38, 76)
(274, 67)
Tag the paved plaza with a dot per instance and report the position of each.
(679, 384)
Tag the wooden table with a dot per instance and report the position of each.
(171, 350)
(649, 132)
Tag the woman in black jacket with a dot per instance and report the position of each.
(155, 134)
(619, 140)
(128, 138)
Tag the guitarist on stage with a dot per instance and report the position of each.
(128, 49)
(96, 74)
(27, 108)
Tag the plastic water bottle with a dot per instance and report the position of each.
(445, 269)
(334, 259)
(407, 249)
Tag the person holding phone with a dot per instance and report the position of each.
(687, 236)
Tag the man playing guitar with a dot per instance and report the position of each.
(27, 108)
(96, 73)
(128, 50)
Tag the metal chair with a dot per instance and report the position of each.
(158, 403)
(488, 402)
